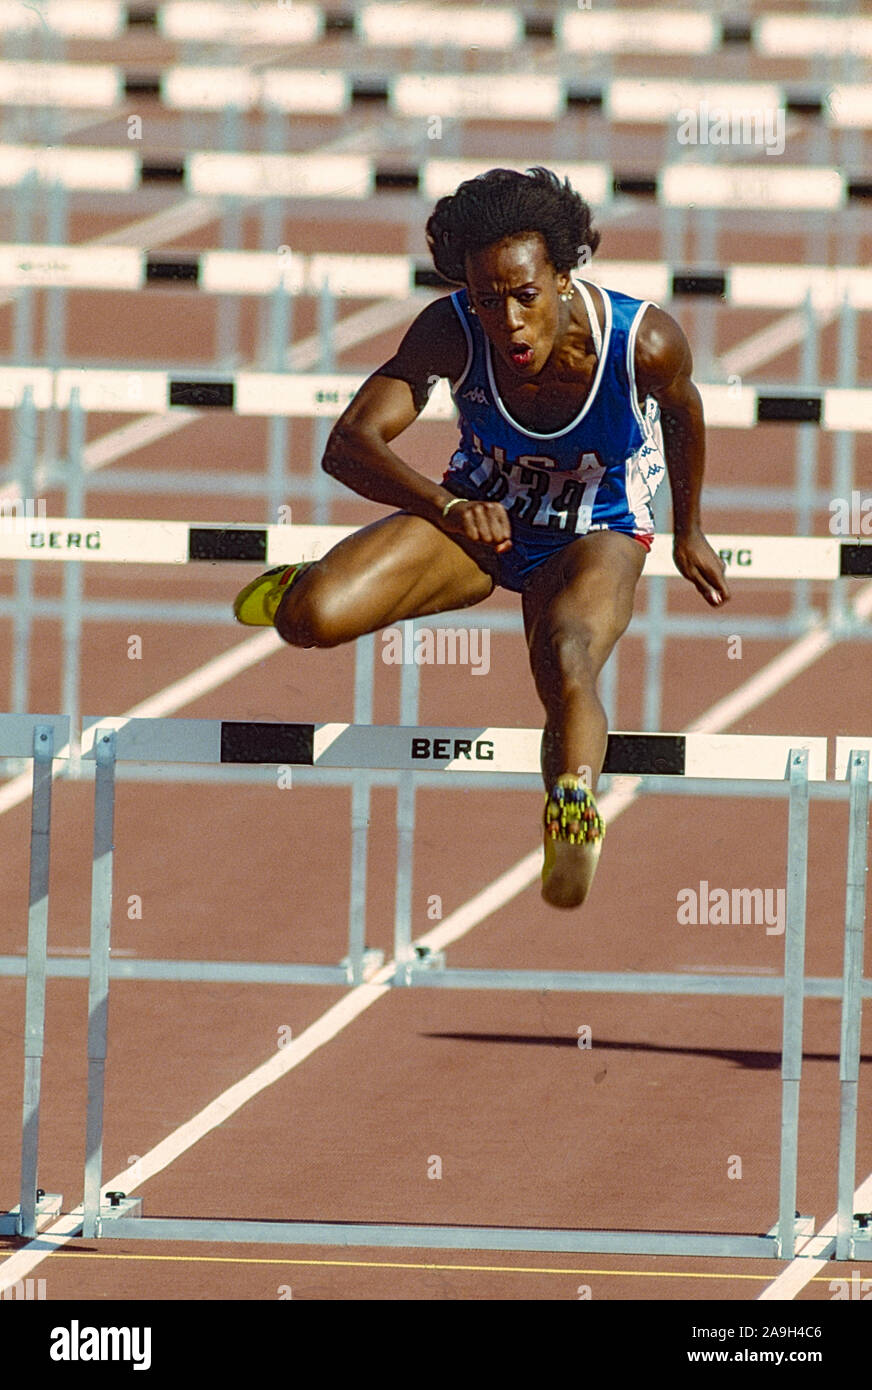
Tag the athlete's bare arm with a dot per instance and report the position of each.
(663, 370)
(358, 451)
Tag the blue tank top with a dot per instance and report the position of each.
(600, 471)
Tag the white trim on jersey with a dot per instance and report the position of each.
(640, 492)
(638, 409)
(556, 434)
(470, 348)
(592, 315)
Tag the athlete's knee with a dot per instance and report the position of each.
(307, 617)
(567, 656)
(577, 648)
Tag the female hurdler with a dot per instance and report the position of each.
(573, 401)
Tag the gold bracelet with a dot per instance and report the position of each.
(448, 505)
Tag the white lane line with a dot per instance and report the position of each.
(807, 1264)
(214, 673)
(509, 885)
(285, 1059)
(773, 677)
(773, 340)
(176, 221)
(520, 876)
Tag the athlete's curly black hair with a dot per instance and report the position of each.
(504, 203)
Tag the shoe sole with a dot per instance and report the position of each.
(570, 875)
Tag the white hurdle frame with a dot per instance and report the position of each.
(350, 178)
(796, 760)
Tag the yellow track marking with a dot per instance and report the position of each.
(400, 1264)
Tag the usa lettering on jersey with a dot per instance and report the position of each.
(534, 492)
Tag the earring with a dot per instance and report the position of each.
(567, 297)
(471, 309)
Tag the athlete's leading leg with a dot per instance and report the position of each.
(397, 568)
(575, 609)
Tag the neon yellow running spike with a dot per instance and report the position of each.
(571, 812)
(574, 831)
(257, 604)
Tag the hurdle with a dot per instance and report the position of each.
(333, 91)
(468, 754)
(99, 540)
(355, 275)
(75, 540)
(352, 178)
(325, 395)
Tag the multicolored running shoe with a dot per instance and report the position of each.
(574, 831)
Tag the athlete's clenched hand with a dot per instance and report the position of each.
(695, 559)
(484, 522)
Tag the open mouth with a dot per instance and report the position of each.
(521, 354)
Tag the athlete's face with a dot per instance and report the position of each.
(515, 292)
